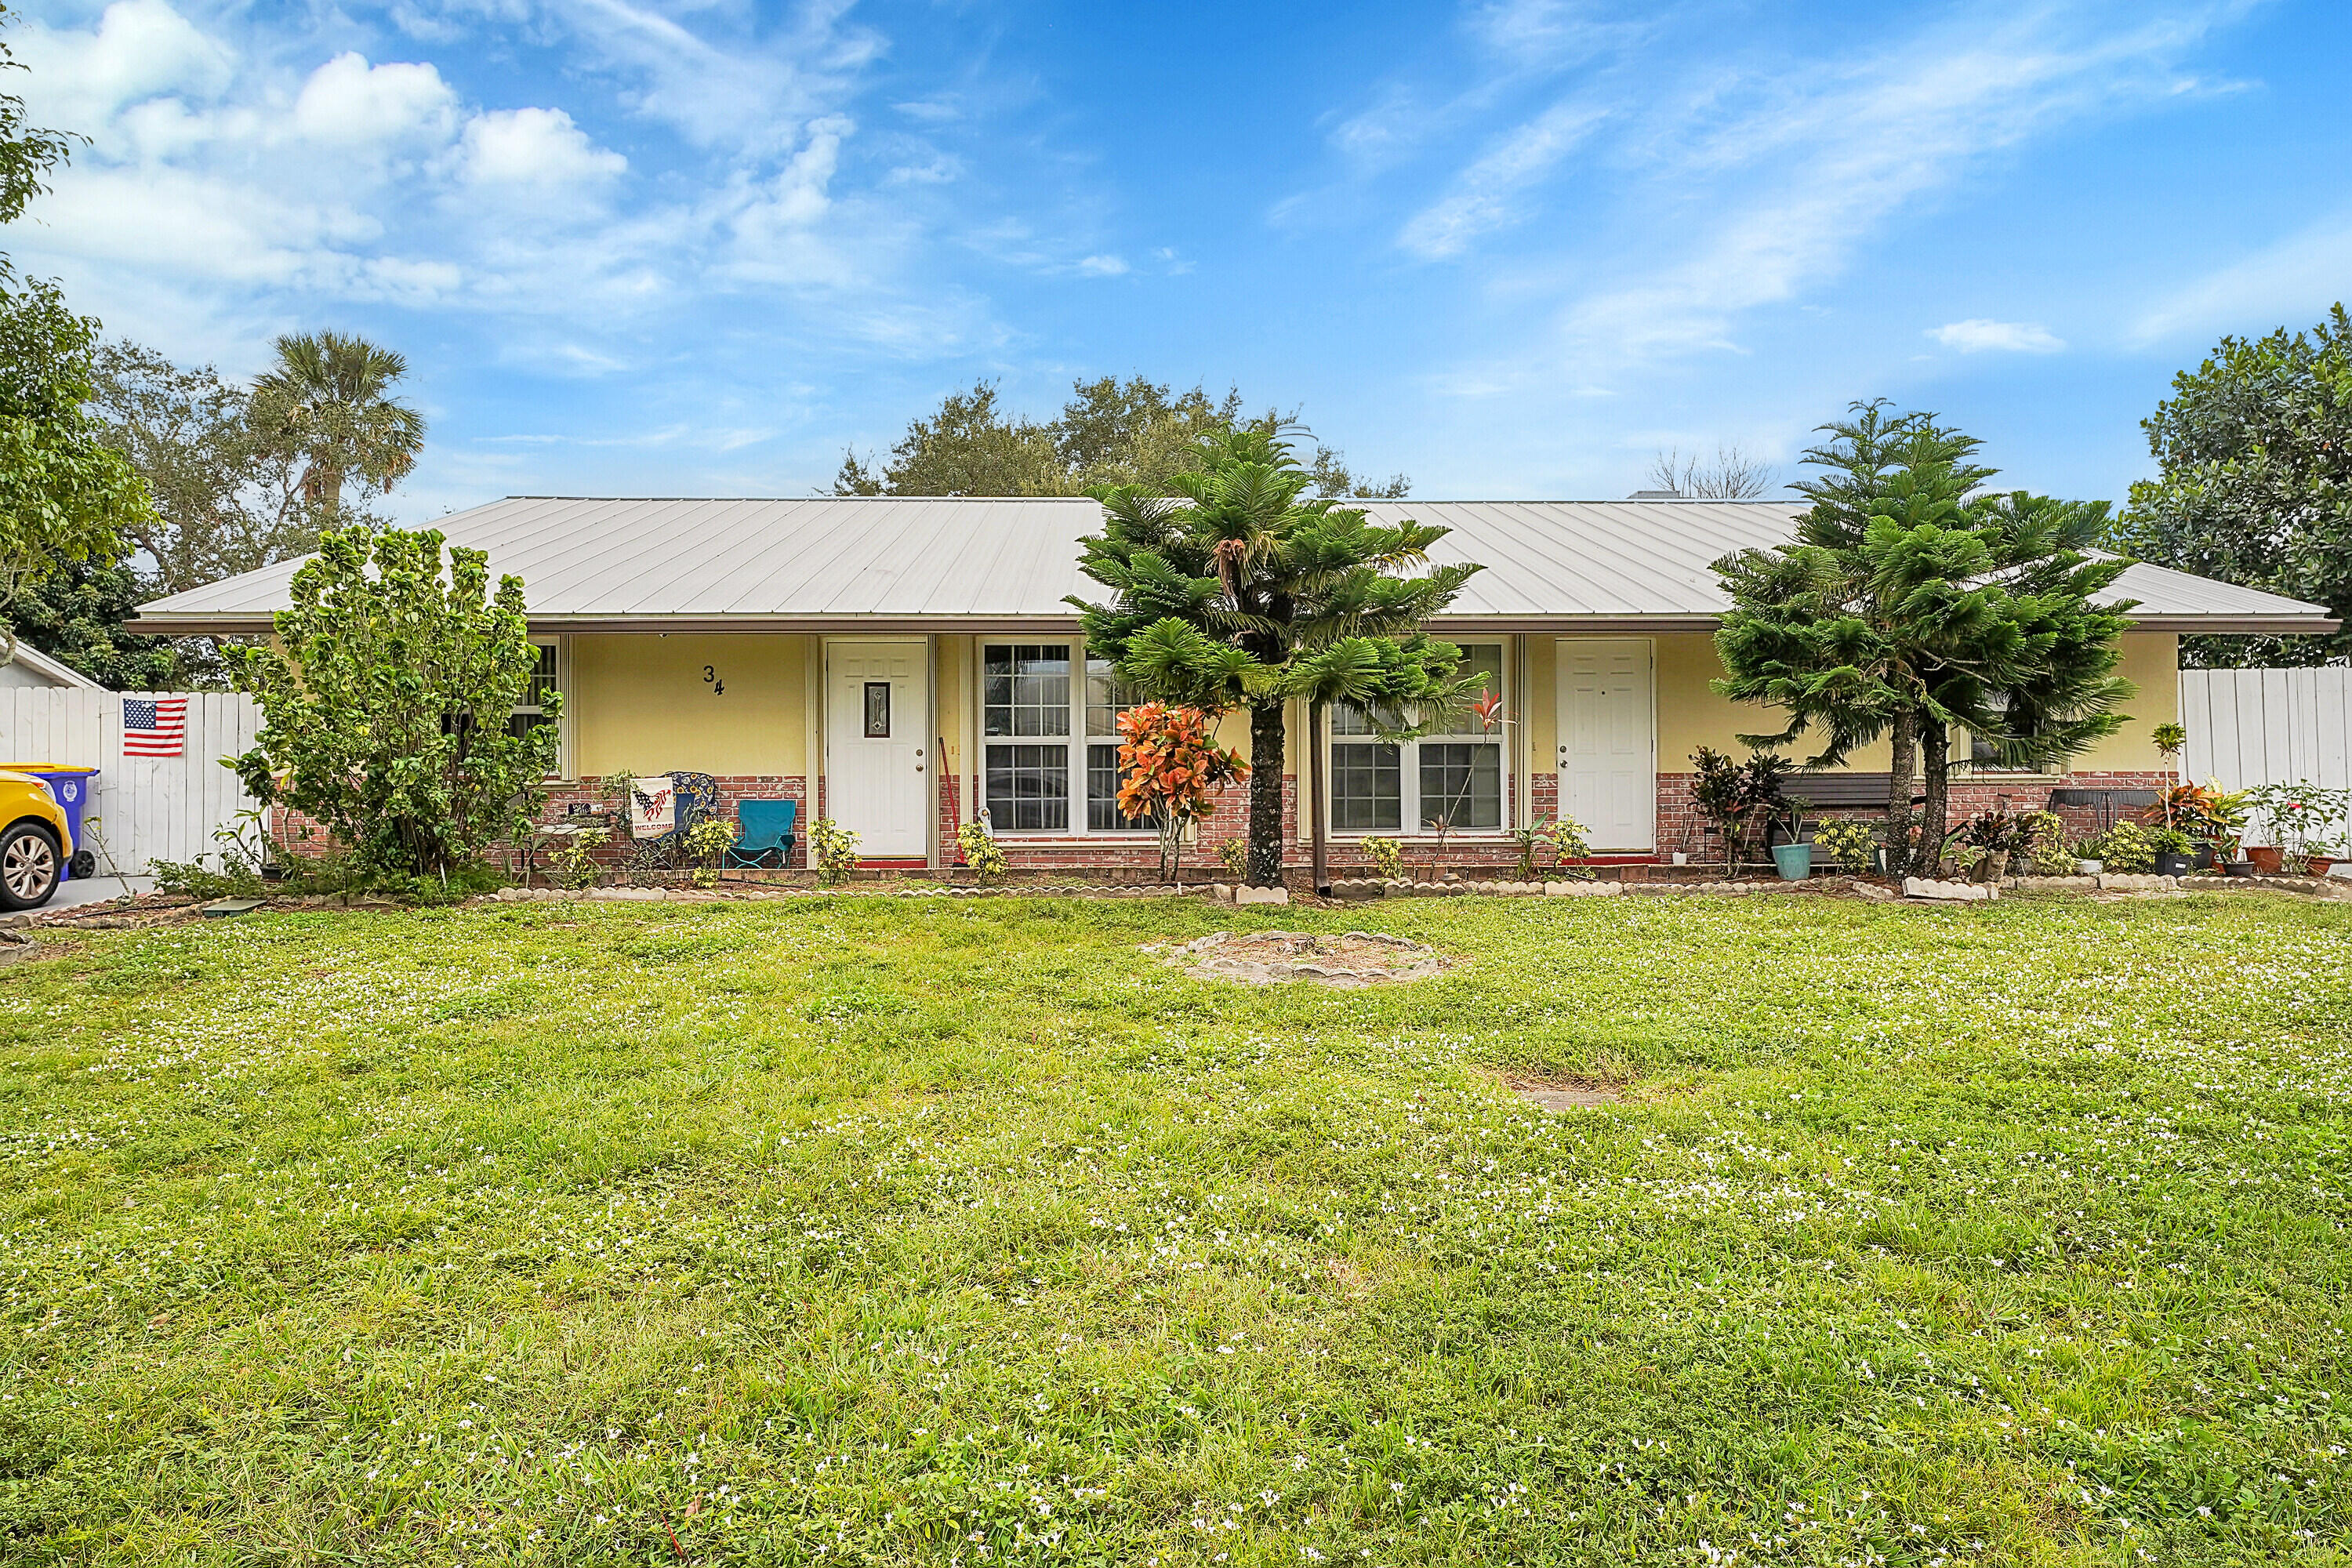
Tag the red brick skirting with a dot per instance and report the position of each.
(1680, 827)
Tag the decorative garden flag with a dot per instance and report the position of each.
(153, 726)
(653, 807)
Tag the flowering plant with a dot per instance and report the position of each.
(1387, 857)
(1170, 768)
(2306, 818)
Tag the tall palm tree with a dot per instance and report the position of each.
(327, 405)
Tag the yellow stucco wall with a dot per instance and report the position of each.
(639, 701)
(1691, 716)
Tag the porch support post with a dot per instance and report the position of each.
(933, 749)
(813, 759)
(1523, 802)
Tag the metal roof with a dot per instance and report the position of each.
(969, 564)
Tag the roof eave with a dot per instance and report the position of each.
(247, 623)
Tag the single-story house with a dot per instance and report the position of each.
(32, 667)
(898, 663)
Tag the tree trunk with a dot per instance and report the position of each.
(1935, 759)
(1903, 733)
(1266, 796)
(1314, 800)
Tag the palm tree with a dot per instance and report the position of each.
(326, 405)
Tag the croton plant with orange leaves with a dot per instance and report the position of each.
(1170, 769)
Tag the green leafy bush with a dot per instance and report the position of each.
(1387, 857)
(706, 843)
(388, 699)
(2047, 852)
(1846, 843)
(982, 852)
(1570, 846)
(834, 850)
(2126, 848)
(573, 863)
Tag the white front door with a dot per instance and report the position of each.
(1607, 741)
(876, 754)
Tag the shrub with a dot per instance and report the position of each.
(1570, 846)
(834, 850)
(1847, 843)
(1233, 856)
(387, 696)
(1170, 769)
(1739, 798)
(2047, 852)
(2126, 848)
(982, 852)
(573, 863)
(706, 843)
(1387, 857)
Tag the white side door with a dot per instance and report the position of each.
(877, 755)
(1607, 741)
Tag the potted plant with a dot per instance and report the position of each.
(1794, 858)
(2306, 819)
(2173, 851)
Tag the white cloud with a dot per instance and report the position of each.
(139, 49)
(537, 149)
(1103, 267)
(1978, 335)
(2288, 283)
(1484, 195)
(1765, 186)
(348, 102)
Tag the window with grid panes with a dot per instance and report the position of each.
(1378, 786)
(1106, 697)
(532, 711)
(1024, 693)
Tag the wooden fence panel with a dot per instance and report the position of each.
(144, 808)
(2268, 726)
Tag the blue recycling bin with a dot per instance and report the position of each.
(69, 787)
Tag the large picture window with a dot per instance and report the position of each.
(1046, 736)
(1378, 787)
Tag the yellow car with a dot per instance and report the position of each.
(33, 844)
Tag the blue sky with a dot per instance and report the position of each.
(1510, 248)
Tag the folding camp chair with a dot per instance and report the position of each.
(766, 838)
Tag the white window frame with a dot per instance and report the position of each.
(1409, 813)
(562, 647)
(1074, 742)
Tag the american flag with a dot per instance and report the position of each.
(153, 726)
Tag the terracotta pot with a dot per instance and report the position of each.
(2320, 864)
(2266, 860)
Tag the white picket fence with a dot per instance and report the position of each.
(2268, 726)
(144, 808)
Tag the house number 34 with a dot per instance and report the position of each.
(711, 678)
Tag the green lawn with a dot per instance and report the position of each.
(872, 1231)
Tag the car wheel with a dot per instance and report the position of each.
(83, 865)
(29, 866)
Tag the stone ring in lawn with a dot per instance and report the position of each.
(1263, 957)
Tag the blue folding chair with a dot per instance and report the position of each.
(765, 833)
